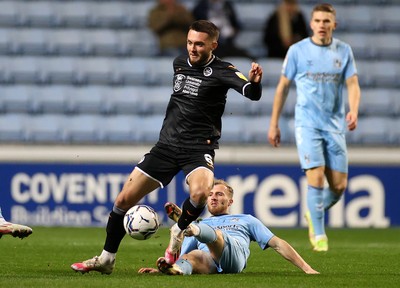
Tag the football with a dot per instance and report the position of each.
(141, 222)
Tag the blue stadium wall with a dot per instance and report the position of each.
(66, 187)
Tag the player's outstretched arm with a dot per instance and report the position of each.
(288, 252)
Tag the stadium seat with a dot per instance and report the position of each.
(149, 128)
(82, 129)
(255, 129)
(12, 127)
(141, 42)
(386, 46)
(9, 13)
(120, 129)
(87, 100)
(140, 11)
(16, 99)
(51, 99)
(271, 71)
(372, 131)
(61, 70)
(30, 42)
(154, 100)
(77, 14)
(357, 18)
(389, 20)
(123, 100)
(378, 102)
(6, 41)
(237, 105)
(161, 70)
(96, 71)
(39, 14)
(253, 16)
(25, 70)
(232, 129)
(101, 42)
(359, 42)
(67, 42)
(133, 71)
(109, 15)
(44, 129)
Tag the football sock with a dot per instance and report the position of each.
(115, 230)
(189, 214)
(330, 198)
(107, 256)
(207, 234)
(316, 208)
(185, 266)
(2, 220)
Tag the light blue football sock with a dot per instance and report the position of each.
(207, 234)
(330, 198)
(316, 208)
(185, 266)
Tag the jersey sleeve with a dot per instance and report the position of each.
(259, 232)
(351, 67)
(289, 68)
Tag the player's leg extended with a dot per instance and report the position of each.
(316, 213)
(200, 183)
(135, 188)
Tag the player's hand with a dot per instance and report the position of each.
(274, 136)
(255, 73)
(148, 270)
(352, 120)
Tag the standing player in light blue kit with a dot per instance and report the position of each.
(220, 244)
(320, 66)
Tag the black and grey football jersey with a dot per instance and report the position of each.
(193, 116)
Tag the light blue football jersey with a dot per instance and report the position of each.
(320, 73)
(244, 227)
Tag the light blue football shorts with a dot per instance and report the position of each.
(321, 148)
(233, 258)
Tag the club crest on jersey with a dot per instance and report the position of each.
(337, 63)
(241, 76)
(207, 71)
(178, 82)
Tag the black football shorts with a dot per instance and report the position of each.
(163, 162)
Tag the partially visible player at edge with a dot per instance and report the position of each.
(188, 137)
(320, 66)
(15, 230)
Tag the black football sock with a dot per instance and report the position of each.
(189, 214)
(115, 232)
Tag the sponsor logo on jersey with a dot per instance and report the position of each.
(207, 71)
(178, 82)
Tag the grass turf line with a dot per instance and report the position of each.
(357, 258)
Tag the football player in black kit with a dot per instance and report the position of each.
(188, 138)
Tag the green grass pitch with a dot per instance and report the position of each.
(357, 258)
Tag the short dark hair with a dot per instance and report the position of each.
(206, 26)
(324, 7)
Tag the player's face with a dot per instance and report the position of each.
(218, 200)
(200, 47)
(322, 24)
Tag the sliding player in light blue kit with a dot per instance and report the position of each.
(320, 66)
(220, 244)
